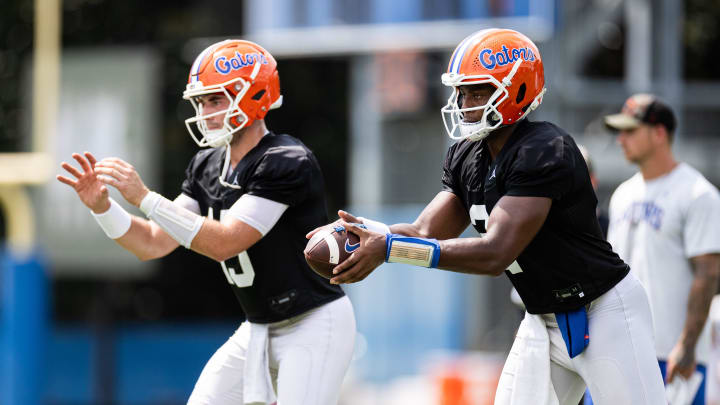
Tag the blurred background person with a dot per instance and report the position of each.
(664, 222)
(713, 370)
(525, 186)
(601, 213)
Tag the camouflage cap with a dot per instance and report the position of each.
(642, 109)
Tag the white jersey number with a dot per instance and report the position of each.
(479, 213)
(479, 217)
(240, 271)
(246, 274)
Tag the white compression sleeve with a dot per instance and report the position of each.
(258, 212)
(188, 202)
(179, 222)
(115, 221)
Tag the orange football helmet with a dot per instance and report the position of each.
(508, 60)
(246, 74)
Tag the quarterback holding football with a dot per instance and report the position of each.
(525, 186)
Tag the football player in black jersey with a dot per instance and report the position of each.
(247, 202)
(525, 186)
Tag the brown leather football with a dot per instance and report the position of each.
(328, 248)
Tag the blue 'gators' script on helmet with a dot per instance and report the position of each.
(225, 66)
(501, 58)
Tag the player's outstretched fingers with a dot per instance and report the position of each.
(348, 217)
(89, 156)
(114, 172)
(65, 180)
(119, 162)
(70, 169)
(106, 162)
(83, 162)
(106, 179)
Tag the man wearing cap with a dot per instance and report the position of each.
(665, 223)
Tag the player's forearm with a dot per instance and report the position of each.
(473, 256)
(223, 240)
(208, 237)
(697, 311)
(444, 218)
(702, 290)
(408, 230)
(146, 240)
(422, 229)
(212, 240)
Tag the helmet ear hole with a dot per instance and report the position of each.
(257, 96)
(521, 94)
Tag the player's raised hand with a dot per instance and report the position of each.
(92, 192)
(364, 260)
(122, 175)
(344, 216)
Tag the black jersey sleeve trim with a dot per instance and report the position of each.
(284, 175)
(533, 192)
(543, 169)
(187, 186)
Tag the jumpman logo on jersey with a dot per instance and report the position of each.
(492, 175)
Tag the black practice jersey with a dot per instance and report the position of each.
(271, 279)
(568, 263)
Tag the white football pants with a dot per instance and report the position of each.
(618, 365)
(308, 357)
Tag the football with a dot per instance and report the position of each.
(328, 248)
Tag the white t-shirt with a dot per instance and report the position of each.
(656, 226)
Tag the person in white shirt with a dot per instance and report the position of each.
(665, 223)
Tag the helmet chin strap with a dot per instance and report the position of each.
(472, 133)
(216, 138)
(225, 168)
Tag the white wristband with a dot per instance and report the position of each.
(179, 222)
(375, 226)
(115, 221)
